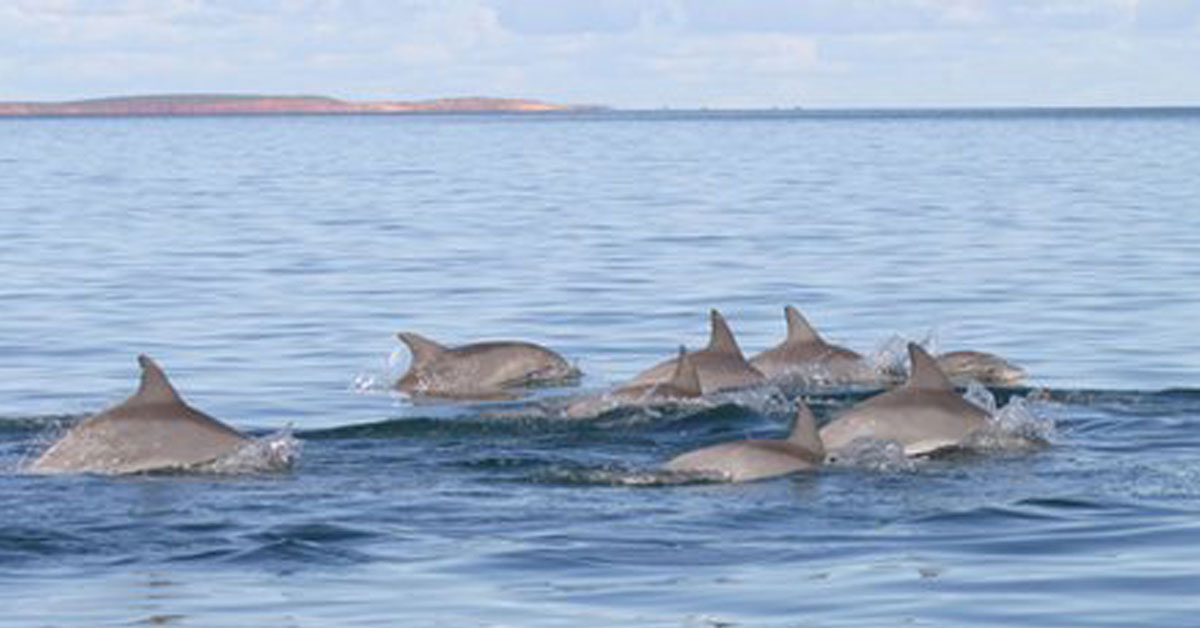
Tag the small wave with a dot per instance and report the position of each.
(616, 476)
(765, 400)
(21, 543)
(288, 554)
(55, 423)
(48, 431)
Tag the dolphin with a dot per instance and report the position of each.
(923, 415)
(805, 356)
(482, 370)
(721, 365)
(985, 368)
(152, 430)
(756, 459)
(684, 385)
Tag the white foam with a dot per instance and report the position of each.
(270, 454)
(873, 453)
(979, 395)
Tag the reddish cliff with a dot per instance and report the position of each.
(221, 104)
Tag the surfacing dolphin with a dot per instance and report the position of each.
(805, 358)
(923, 416)
(482, 370)
(985, 368)
(152, 430)
(684, 385)
(756, 459)
(720, 366)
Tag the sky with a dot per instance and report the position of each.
(620, 53)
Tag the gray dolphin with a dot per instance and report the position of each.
(721, 365)
(684, 385)
(152, 430)
(924, 415)
(482, 370)
(985, 368)
(806, 357)
(756, 459)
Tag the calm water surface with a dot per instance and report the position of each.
(267, 263)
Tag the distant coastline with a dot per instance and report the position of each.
(249, 104)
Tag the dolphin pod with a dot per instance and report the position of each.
(721, 366)
(924, 415)
(482, 370)
(155, 429)
(150, 431)
(757, 459)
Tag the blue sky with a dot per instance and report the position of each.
(624, 53)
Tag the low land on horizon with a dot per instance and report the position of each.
(241, 104)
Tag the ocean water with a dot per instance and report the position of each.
(266, 263)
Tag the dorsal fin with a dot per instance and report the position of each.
(720, 338)
(798, 329)
(154, 387)
(804, 430)
(924, 372)
(685, 378)
(423, 349)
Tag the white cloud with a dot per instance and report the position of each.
(622, 52)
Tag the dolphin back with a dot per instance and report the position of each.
(745, 461)
(480, 370)
(152, 430)
(923, 416)
(720, 366)
(806, 358)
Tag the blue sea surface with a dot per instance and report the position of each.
(267, 262)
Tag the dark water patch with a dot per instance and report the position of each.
(619, 420)
(287, 555)
(1171, 399)
(22, 545)
(322, 532)
(20, 425)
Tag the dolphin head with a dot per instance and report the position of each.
(984, 367)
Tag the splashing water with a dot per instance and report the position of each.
(874, 454)
(978, 394)
(273, 453)
(890, 358)
(1018, 419)
(616, 476)
(382, 378)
